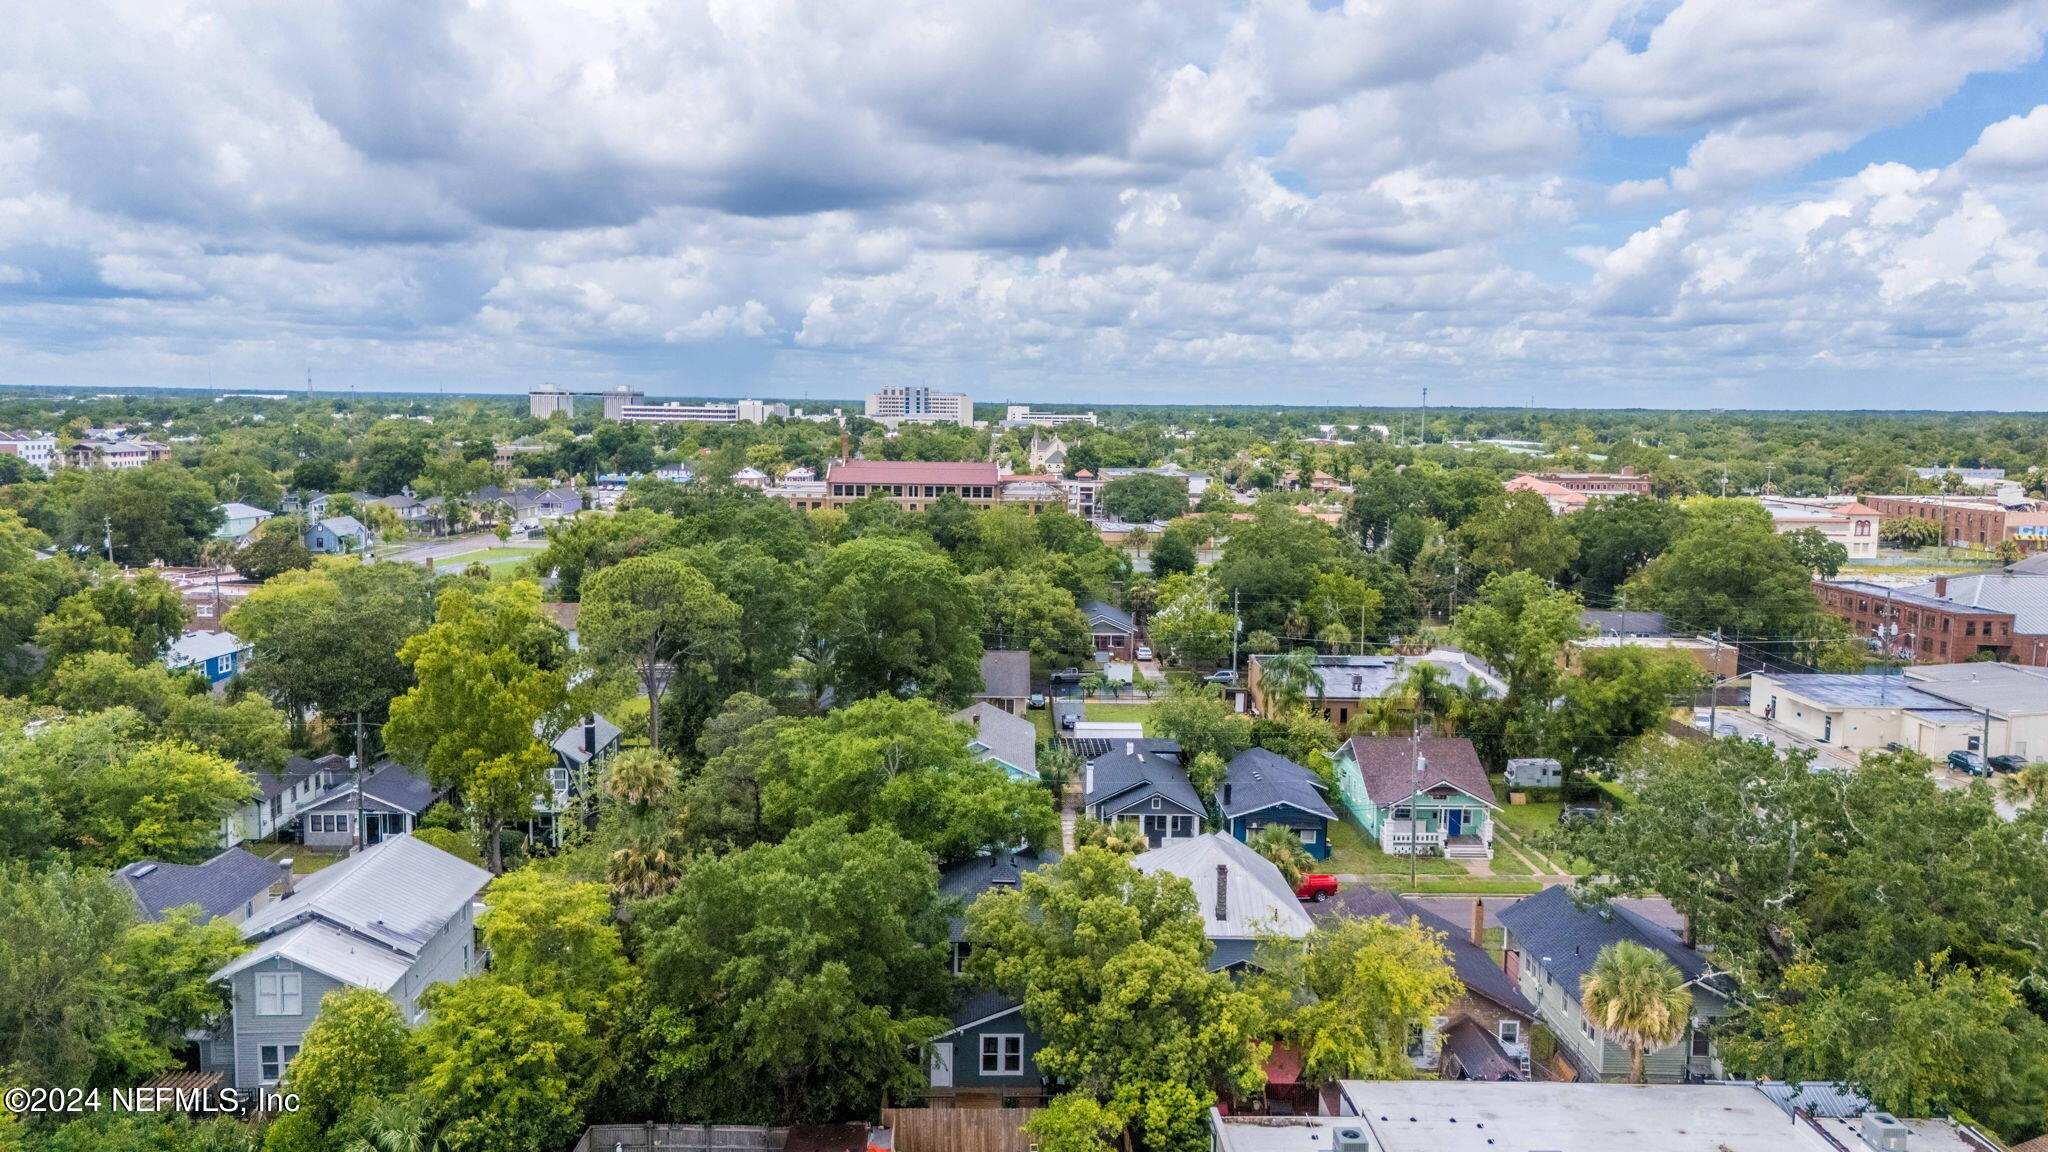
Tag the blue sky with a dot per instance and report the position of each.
(1685, 203)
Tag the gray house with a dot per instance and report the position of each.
(991, 1050)
(232, 885)
(580, 755)
(330, 534)
(281, 796)
(1552, 943)
(1004, 739)
(1111, 630)
(393, 796)
(1241, 896)
(1143, 781)
(1006, 679)
(398, 918)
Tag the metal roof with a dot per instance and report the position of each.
(1857, 690)
(912, 472)
(1003, 736)
(330, 951)
(197, 647)
(1370, 677)
(397, 893)
(2024, 596)
(1256, 898)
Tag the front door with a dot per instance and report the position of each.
(373, 828)
(942, 1064)
(1155, 830)
(1454, 819)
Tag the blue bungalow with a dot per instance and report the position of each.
(214, 655)
(1429, 796)
(991, 1051)
(1261, 787)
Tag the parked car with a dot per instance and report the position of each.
(1317, 888)
(1144, 652)
(1067, 676)
(1762, 738)
(1969, 762)
(1895, 746)
(1037, 700)
(1578, 815)
(1727, 730)
(1067, 721)
(1220, 676)
(2006, 763)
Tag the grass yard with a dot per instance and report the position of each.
(494, 555)
(1125, 713)
(1041, 719)
(1352, 854)
(1471, 885)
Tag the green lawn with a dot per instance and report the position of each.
(492, 555)
(1438, 886)
(1351, 852)
(1124, 713)
(1041, 718)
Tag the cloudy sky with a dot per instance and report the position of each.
(1826, 203)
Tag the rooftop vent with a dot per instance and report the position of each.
(1882, 1130)
(1352, 1140)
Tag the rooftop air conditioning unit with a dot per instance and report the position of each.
(1351, 1139)
(1882, 1130)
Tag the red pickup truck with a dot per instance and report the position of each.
(1316, 888)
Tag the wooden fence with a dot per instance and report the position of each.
(959, 1129)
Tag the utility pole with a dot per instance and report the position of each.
(362, 841)
(1714, 691)
(107, 523)
(1423, 439)
(1414, 790)
(1236, 626)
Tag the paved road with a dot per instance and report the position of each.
(1458, 909)
(451, 546)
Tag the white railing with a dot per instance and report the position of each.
(1401, 838)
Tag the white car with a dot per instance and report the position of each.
(1144, 652)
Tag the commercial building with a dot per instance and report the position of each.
(1843, 520)
(1993, 709)
(617, 400)
(548, 400)
(124, 453)
(1982, 522)
(1021, 416)
(37, 448)
(1622, 483)
(672, 412)
(916, 483)
(1554, 1116)
(2003, 612)
(916, 404)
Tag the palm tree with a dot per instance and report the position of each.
(1433, 694)
(1638, 997)
(1289, 679)
(640, 777)
(393, 1126)
(1278, 843)
(2027, 787)
(647, 864)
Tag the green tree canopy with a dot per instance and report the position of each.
(894, 618)
(1144, 497)
(1354, 989)
(663, 617)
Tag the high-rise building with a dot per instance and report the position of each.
(906, 403)
(744, 411)
(617, 400)
(1021, 416)
(548, 399)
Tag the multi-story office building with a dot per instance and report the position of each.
(742, 412)
(1021, 416)
(37, 448)
(1970, 521)
(899, 403)
(547, 400)
(916, 483)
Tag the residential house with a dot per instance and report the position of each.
(1006, 679)
(214, 655)
(1143, 780)
(581, 753)
(397, 918)
(336, 534)
(991, 1050)
(1262, 787)
(750, 477)
(281, 797)
(1241, 895)
(232, 885)
(1426, 796)
(422, 517)
(393, 797)
(1345, 682)
(239, 520)
(1932, 709)
(1484, 1033)
(1111, 630)
(1552, 944)
(310, 504)
(1002, 738)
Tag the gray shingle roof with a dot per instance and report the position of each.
(1566, 940)
(1099, 613)
(1477, 968)
(1386, 764)
(296, 769)
(1135, 769)
(1257, 779)
(968, 879)
(570, 743)
(1005, 673)
(1009, 738)
(219, 887)
(398, 787)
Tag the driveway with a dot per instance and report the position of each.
(451, 546)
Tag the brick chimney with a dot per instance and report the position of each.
(1941, 586)
(1478, 923)
(1222, 892)
(590, 734)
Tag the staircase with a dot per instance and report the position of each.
(1467, 848)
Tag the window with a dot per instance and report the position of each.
(277, 993)
(1155, 801)
(1002, 1055)
(558, 779)
(1402, 814)
(1510, 1031)
(1415, 1041)
(960, 950)
(1586, 1026)
(273, 1058)
(1308, 835)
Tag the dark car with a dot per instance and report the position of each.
(1969, 762)
(1037, 700)
(1578, 815)
(2007, 763)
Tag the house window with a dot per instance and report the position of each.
(1586, 1026)
(273, 1058)
(1308, 835)
(1415, 1048)
(1402, 814)
(558, 779)
(277, 993)
(1155, 802)
(1002, 1055)
(960, 950)
(1510, 1031)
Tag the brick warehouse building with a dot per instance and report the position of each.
(1949, 619)
(1972, 521)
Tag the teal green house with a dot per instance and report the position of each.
(1429, 796)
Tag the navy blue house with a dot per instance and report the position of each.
(1261, 787)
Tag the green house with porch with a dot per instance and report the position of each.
(1429, 796)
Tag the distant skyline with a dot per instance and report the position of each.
(1807, 204)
